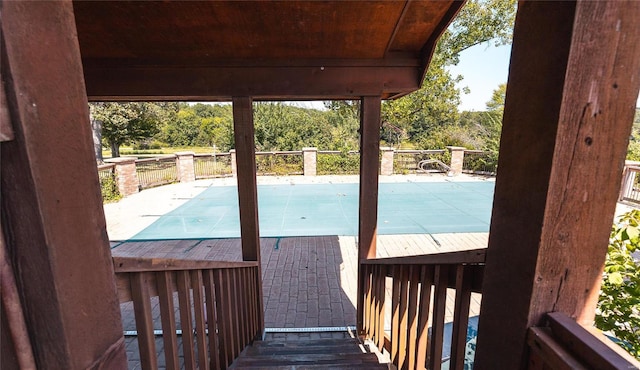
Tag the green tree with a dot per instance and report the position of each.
(430, 116)
(618, 308)
(126, 122)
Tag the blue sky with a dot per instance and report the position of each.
(483, 67)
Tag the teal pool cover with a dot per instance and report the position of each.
(331, 209)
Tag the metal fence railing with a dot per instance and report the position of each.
(417, 161)
(212, 165)
(480, 162)
(156, 171)
(279, 163)
(108, 182)
(334, 162)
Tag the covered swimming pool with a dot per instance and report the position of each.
(332, 209)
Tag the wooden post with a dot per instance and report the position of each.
(247, 187)
(572, 89)
(368, 202)
(51, 205)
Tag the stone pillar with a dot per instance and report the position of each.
(234, 166)
(386, 165)
(184, 165)
(457, 158)
(126, 175)
(310, 156)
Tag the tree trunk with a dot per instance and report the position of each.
(96, 127)
(115, 149)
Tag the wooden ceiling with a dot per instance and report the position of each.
(213, 50)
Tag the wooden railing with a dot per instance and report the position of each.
(414, 310)
(219, 307)
(630, 189)
(564, 344)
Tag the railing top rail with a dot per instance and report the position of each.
(280, 152)
(633, 167)
(221, 154)
(337, 152)
(474, 256)
(156, 159)
(420, 151)
(138, 264)
(473, 151)
(106, 166)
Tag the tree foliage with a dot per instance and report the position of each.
(128, 122)
(619, 304)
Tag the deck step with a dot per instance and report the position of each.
(308, 354)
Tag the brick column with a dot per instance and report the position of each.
(457, 158)
(310, 156)
(386, 165)
(126, 175)
(184, 165)
(234, 166)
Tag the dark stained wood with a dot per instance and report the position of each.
(395, 316)
(426, 280)
(130, 39)
(381, 294)
(222, 313)
(167, 315)
(437, 325)
(139, 264)
(263, 83)
(198, 310)
(186, 318)
(460, 317)
(552, 218)
(404, 318)
(591, 350)
(144, 320)
(50, 196)
(548, 353)
(212, 320)
(247, 187)
(412, 326)
(475, 256)
(369, 167)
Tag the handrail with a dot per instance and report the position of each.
(411, 343)
(567, 344)
(216, 300)
(140, 264)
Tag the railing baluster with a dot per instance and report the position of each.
(184, 299)
(366, 289)
(168, 316)
(212, 319)
(198, 308)
(460, 317)
(224, 323)
(414, 274)
(235, 314)
(378, 287)
(395, 315)
(144, 320)
(441, 279)
(254, 301)
(426, 280)
(402, 353)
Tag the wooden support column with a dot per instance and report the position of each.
(368, 201)
(51, 206)
(573, 84)
(247, 187)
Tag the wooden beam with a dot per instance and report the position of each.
(248, 189)
(50, 195)
(573, 84)
(369, 167)
(143, 83)
(368, 200)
